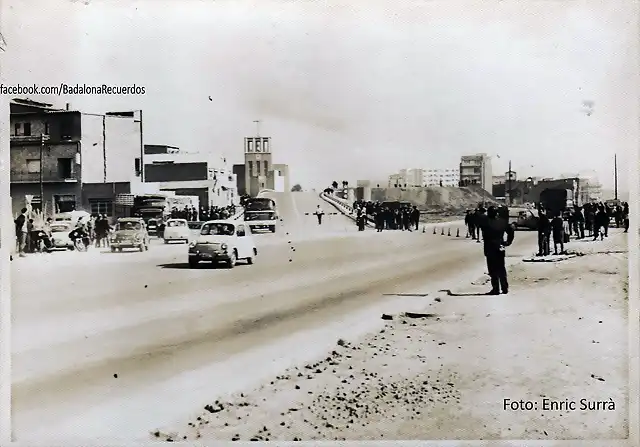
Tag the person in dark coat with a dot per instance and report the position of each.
(544, 229)
(415, 217)
(557, 229)
(493, 230)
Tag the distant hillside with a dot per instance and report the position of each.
(445, 200)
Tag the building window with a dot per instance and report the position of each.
(136, 167)
(249, 144)
(257, 144)
(17, 129)
(46, 128)
(250, 168)
(27, 129)
(65, 167)
(101, 206)
(65, 130)
(265, 144)
(65, 203)
(33, 166)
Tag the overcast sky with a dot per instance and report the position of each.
(353, 92)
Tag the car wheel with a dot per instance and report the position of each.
(250, 260)
(273, 228)
(166, 241)
(233, 258)
(113, 249)
(119, 249)
(193, 263)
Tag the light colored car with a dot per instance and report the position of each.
(60, 235)
(223, 241)
(130, 232)
(177, 230)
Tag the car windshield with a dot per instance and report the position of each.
(59, 228)
(128, 226)
(212, 229)
(176, 223)
(258, 216)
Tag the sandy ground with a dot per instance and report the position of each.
(559, 336)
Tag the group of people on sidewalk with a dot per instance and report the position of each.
(34, 233)
(192, 214)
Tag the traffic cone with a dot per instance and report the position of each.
(448, 231)
(458, 232)
(442, 234)
(434, 230)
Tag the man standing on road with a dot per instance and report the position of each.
(493, 232)
(557, 228)
(20, 223)
(544, 227)
(415, 217)
(319, 213)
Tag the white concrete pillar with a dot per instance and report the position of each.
(351, 195)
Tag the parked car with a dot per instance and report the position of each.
(177, 230)
(130, 232)
(60, 236)
(223, 241)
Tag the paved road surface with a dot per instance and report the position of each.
(148, 318)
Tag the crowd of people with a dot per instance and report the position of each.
(402, 217)
(590, 220)
(192, 214)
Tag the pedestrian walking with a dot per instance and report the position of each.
(319, 213)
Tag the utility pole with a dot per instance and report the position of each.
(141, 151)
(509, 186)
(104, 148)
(615, 175)
(42, 139)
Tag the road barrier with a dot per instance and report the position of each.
(343, 206)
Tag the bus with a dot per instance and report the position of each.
(261, 214)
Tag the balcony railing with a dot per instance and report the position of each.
(48, 176)
(26, 138)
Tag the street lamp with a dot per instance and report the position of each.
(43, 138)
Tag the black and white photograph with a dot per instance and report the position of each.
(308, 221)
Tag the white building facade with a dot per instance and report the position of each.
(446, 177)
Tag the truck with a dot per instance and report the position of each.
(556, 200)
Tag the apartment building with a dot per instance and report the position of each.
(444, 177)
(63, 159)
(476, 170)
